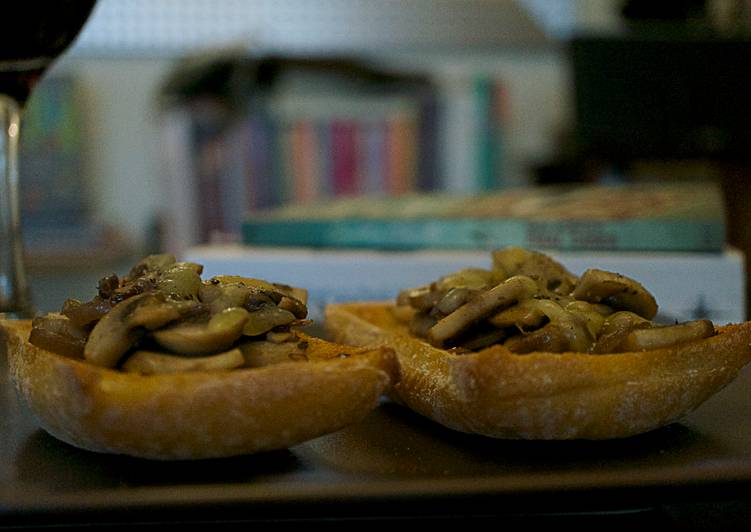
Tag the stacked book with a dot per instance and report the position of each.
(630, 217)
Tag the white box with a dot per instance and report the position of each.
(686, 285)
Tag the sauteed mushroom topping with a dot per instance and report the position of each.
(162, 318)
(57, 332)
(214, 335)
(617, 291)
(529, 302)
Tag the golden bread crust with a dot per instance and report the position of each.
(547, 395)
(200, 414)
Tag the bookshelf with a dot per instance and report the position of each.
(248, 134)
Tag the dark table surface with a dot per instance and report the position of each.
(396, 465)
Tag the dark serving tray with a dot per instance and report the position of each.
(393, 465)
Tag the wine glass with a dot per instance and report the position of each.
(40, 31)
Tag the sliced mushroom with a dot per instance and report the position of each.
(454, 298)
(486, 303)
(266, 318)
(587, 307)
(550, 338)
(198, 268)
(616, 328)
(117, 331)
(220, 296)
(260, 297)
(301, 294)
(133, 287)
(573, 329)
(550, 274)
(571, 326)
(218, 334)
(657, 337)
(155, 363)
(181, 281)
(421, 323)
(294, 305)
(82, 314)
(594, 314)
(524, 316)
(57, 333)
(483, 339)
(246, 281)
(151, 263)
(279, 337)
(617, 291)
(472, 278)
(420, 298)
(107, 285)
(276, 291)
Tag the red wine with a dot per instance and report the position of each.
(38, 32)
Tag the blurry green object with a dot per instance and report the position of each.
(53, 188)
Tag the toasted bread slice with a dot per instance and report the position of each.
(543, 395)
(200, 414)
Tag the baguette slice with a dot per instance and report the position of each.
(200, 414)
(547, 396)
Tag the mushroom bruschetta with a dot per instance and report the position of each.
(161, 364)
(526, 349)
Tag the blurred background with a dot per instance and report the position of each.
(168, 123)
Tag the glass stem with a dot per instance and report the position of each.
(14, 293)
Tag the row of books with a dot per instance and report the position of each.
(270, 159)
(307, 142)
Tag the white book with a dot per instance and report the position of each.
(179, 187)
(686, 285)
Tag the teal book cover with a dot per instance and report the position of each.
(633, 217)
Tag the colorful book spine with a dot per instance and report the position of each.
(486, 172)
(209, 169)
(304, 162)
(491, 100)
(261, 170)
(284, 176)
(373, 153)
(428, 169)
(232, 181)
(325, 149)
(401, 160)
(457, 139)
(344, 157)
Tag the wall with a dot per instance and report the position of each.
(123, 159)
